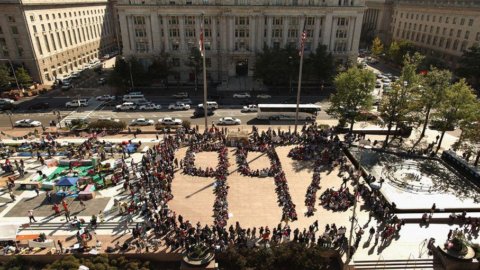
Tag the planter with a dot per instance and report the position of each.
(198, 256)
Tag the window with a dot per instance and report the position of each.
(32, 18)
(276, 33)
(310, 21)
(189, 20)
(292, 33)
(342, 21)
(341, 33)
(467, 34)
(11, 19)
(46, 43)
(470, 22)
(277, 21)
(174, 33)
(39, 46)
(459, 32)
(139, 20)
(14, 30)
(140, 33)
(241, 21)
(173, 20)
(189, 32)
(462, 21)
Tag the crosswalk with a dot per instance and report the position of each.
(82, 113)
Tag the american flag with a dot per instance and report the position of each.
(302, 41)
(200, 41)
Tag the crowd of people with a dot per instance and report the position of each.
(242, 163)
(337, 200)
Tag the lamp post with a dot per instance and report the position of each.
(9, 113)
(13, 71)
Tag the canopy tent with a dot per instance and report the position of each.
(67, 182)
(8, 231)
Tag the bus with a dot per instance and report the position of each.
(307, 112)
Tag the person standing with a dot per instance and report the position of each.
(37, 191)
(30, 216)
(67, 215)
(60, 246)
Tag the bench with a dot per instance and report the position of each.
(88, 193)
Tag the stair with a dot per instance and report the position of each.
(398, 264)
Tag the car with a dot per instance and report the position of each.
(110, 119)
(241, 95)
(180, 95)
(6, 101)
(379, 75)
(150, 107)
(186, 101)
(378, 85)
(66, 85)
(126, 106)
(105, 98)
(27, 123)
(77, 103)
(101, 81)
(386, 79)
(263, 96)
(249, 108)
(199, 112)
(39, 106)
(169, 121)
(229, 121)
(386, 85)
(142, 122)
(178, 106)
(75, 75)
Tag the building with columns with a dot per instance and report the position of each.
(54, 38)
(235, 30)
(376, 22)
(442, 29)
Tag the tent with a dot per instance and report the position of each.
(67, 182)
(8, 231)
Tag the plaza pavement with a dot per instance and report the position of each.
(252, 202)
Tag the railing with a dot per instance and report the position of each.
(408, 261)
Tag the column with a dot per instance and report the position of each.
(333, 33)
(316, 33)
(351, 25)
(181, 24)
(285, 31)
(260, 32)
(214, 33)
(327, 30)
(198, 22)
(223, 33)
(155, 32)
(252, 32)
(131, 34)
(148, 29)
(166, 33)
(269, 31)
(231, 33)
(356, 32)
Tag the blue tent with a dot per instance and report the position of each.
(67, 182)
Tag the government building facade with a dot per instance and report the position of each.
(236, 30)
(54, 38)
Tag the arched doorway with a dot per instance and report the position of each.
(241, 68)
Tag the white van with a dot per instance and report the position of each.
(134, 98)
(210, 105)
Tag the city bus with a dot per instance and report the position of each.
(307, 112)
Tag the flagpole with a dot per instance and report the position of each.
(202, 51)
(302, 49)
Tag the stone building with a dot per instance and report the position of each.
(235, 30)
(54, 38)
(376, 21)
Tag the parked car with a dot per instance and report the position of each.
(150, 107)
(241, 95)
(39, 106)
(66, 85)
(105, 98)
(77, 103)
(180, 95)
(178, 106)
(186, 101)
(102, 81)
(249, 108)
(126, 106)
(27, 123)
(199, 112)
(142, 122)
(229, 121)
(263, 96)
(169, 121)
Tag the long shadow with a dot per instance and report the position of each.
(200, 190)
(261, 155)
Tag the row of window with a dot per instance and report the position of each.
(426, 17)
(430, 29)
(247, 2)
(438, 42)
(5, 52)
(66, 15)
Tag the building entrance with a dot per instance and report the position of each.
(241, 68)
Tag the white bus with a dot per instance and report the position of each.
(307, 112)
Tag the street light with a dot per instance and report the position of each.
(13, 70)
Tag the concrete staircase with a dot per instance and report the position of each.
(399, 264)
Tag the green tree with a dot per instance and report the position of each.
(195, 61)
(470, 64)
(5, 77)
(23, 77)
(398, 49)
(160, 67)
(377, 47)
(276, 66)
(397, 106)
(354, 93)
(432, 93)
(319, 65)
(460, 104)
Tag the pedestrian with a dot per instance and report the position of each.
(82, 204)
(67, 215)
(30, 216)
(37, 191)
(60, 245)
(377, 235)
(101, 216)
(372, 232)
(56, 208)
(49, 196)
(12, 196)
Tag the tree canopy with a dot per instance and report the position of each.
(5, 77)
(470, 64)
(23, 77)
(354, 93)
(377, 47)
(398, 49)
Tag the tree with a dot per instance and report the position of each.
(319, 65)
(377, 47)
(195, 62)
(160, 67)
(459, 104)
(276, 66)
(432, 93)
(470, 64)
(354, 93)
(398, 49)
(5, 77)
(396, 106)
(23, 77)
